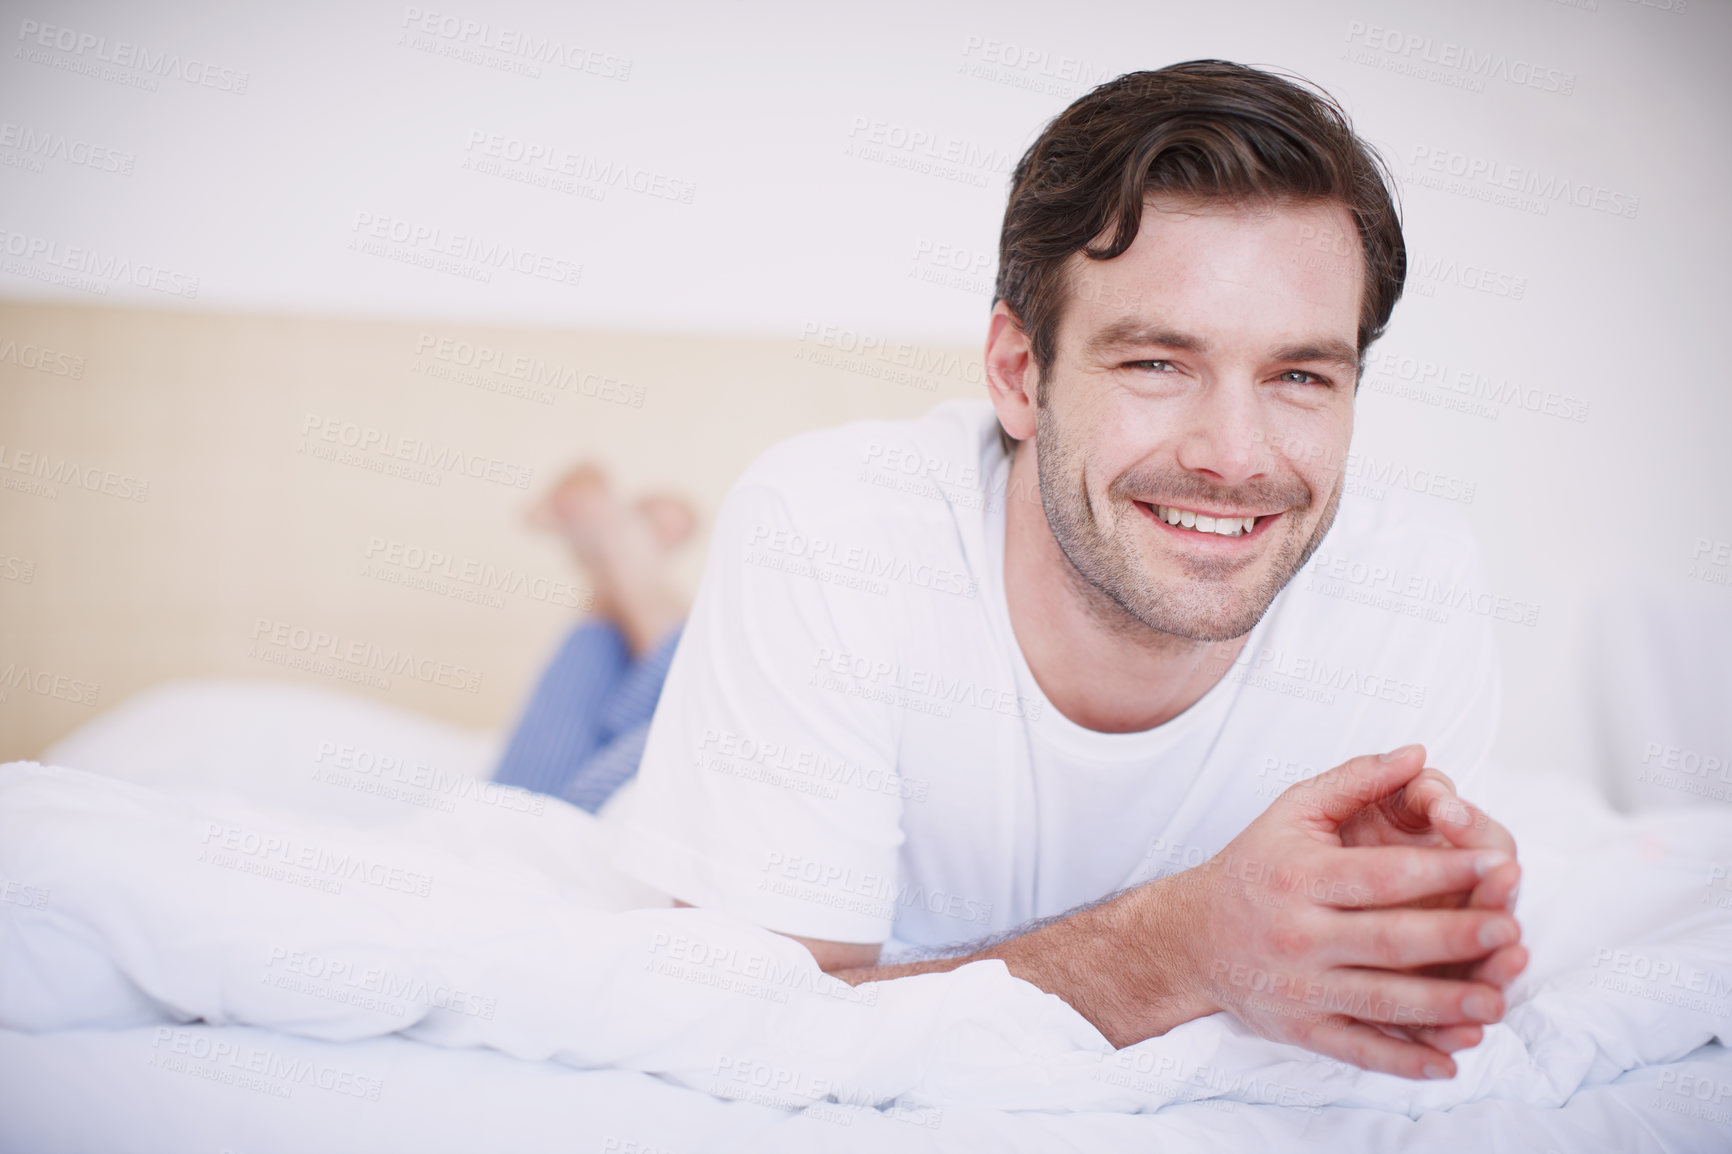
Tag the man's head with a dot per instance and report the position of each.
(1192, 265)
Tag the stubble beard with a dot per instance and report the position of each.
(1108, 569)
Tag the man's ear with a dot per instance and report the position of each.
(1011, 375)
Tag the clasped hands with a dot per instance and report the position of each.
(1366, 915)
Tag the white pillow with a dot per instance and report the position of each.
(313, 750)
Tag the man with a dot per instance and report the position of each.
(1047, 658)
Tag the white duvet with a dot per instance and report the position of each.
(126, 905)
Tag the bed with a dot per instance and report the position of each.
(164, 987)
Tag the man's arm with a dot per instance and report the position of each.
(1107, 960)
(1294, 933)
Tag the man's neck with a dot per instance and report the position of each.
(1097, 664)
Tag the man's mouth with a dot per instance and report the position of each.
(1219, 524)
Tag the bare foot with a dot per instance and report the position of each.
(670, 518)
(578, 507)
(624, 548)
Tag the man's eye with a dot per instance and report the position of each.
(1304, 378)
(1154, 366)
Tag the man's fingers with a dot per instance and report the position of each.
(1410, 1000)
(1407, 938)
(1470, 827)
(1337, 794)
(1422, 801)
(1497, 890)
(1429, 801)
(1369, 1048)
(1502, 967)
(1449, 1039)
(1397, 874)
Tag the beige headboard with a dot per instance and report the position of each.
(338, 502)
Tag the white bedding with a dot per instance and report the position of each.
(486, 925)
(95, 1091)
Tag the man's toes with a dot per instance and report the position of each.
(582, 483)
(671, 519)
(580, 500)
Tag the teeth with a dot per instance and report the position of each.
(1203, 523)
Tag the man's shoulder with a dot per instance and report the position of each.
(1396, 538)
(876, 469)
(1398, 584)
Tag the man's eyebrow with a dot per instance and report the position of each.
(1330, 352)
(1121, 334)
(1130, 334)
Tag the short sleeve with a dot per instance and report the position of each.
(748, 797)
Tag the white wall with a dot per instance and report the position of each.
(354, 111)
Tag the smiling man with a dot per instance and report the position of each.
(1068, 670)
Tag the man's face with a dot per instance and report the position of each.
(1206, 374)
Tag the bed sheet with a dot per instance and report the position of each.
(113, 1092)
(345, 760)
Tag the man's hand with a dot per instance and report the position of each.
(1427, 811)
(1331, 921)
(1299, 935)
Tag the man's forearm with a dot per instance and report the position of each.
(1305, 936)
(1115, 963)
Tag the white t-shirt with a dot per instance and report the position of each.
(850, 745)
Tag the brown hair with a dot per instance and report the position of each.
(1205, 130)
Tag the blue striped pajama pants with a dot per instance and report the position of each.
(582, 735)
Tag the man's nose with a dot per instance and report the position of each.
(1226, 436)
